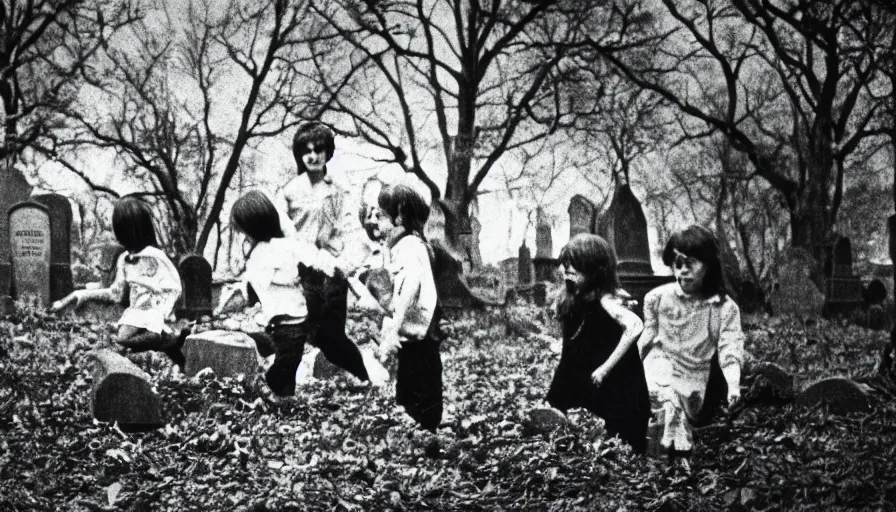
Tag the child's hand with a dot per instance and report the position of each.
(386, 349)
(598, 376)
(733, 396)
(66, 301)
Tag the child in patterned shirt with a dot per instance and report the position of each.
(152, 280)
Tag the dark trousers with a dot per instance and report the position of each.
(327, 301)
(168, 344)
(418, 382)
(287, 343)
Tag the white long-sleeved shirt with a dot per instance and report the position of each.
(414, 295)
(272, 270)
(321, 214)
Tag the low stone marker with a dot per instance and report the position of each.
(773, 383)
(29, 230)
(543, 421)
(839, 394)
(122, 393)
(226, 353)
(196, 298)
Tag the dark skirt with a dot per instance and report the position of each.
(621, 400)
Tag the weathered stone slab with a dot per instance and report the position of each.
(29, 229)
(14, 189)
(122, 393)
(839, 394)
(60, 210)
(624, 226)
(543, 420)
(196, 297)
(226, 353)
(581, 215)
(773, 383)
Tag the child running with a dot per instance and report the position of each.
(687, 323)
(599, 367)
(151, 278)
(272, 271)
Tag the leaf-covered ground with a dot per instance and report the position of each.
(343, 446)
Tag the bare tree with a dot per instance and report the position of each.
(170, 90)
(46, 44)
(818, 53)
(469, 82)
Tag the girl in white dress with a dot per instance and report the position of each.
(686, 324)
(152, 282)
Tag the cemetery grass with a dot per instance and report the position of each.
(342, 446)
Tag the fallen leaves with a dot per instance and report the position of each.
(340, 446)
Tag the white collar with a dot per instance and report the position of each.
(711, 300)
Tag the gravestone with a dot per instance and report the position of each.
(773, 384)
(843, 289)
(544, 264)
(624, 226)
(29, 230)
(122, 393)
(510, 272)
(196, 278)
(14, 189)
(226, 353)
(581, 215)
(544, 244)
(60, 210)
(795, 293)
(543, 421)
(524, 260)
(840, 395)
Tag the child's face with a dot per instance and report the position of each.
(372, 223)
(315, 157)
(574, 279)
(689, 272)
(388, 227)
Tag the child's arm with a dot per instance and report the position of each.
(731, 347)
(632, 327)
(233, 298)
(651, 312)
(114, 293)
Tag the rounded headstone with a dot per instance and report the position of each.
(839, 394)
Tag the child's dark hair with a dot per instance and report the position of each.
(594, 257)
(699, 243)
(132, 224)
(315, 133)
(403, 200)
(255, 215)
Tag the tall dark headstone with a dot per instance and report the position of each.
(625, 228)
(196, 278)
(544, 243)
(843, 289)
(14, 189)
(581, 215)
(525, 265)
(543, 262)
(29, 234)
(60, 210)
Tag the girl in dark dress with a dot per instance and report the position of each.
(599, 368)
